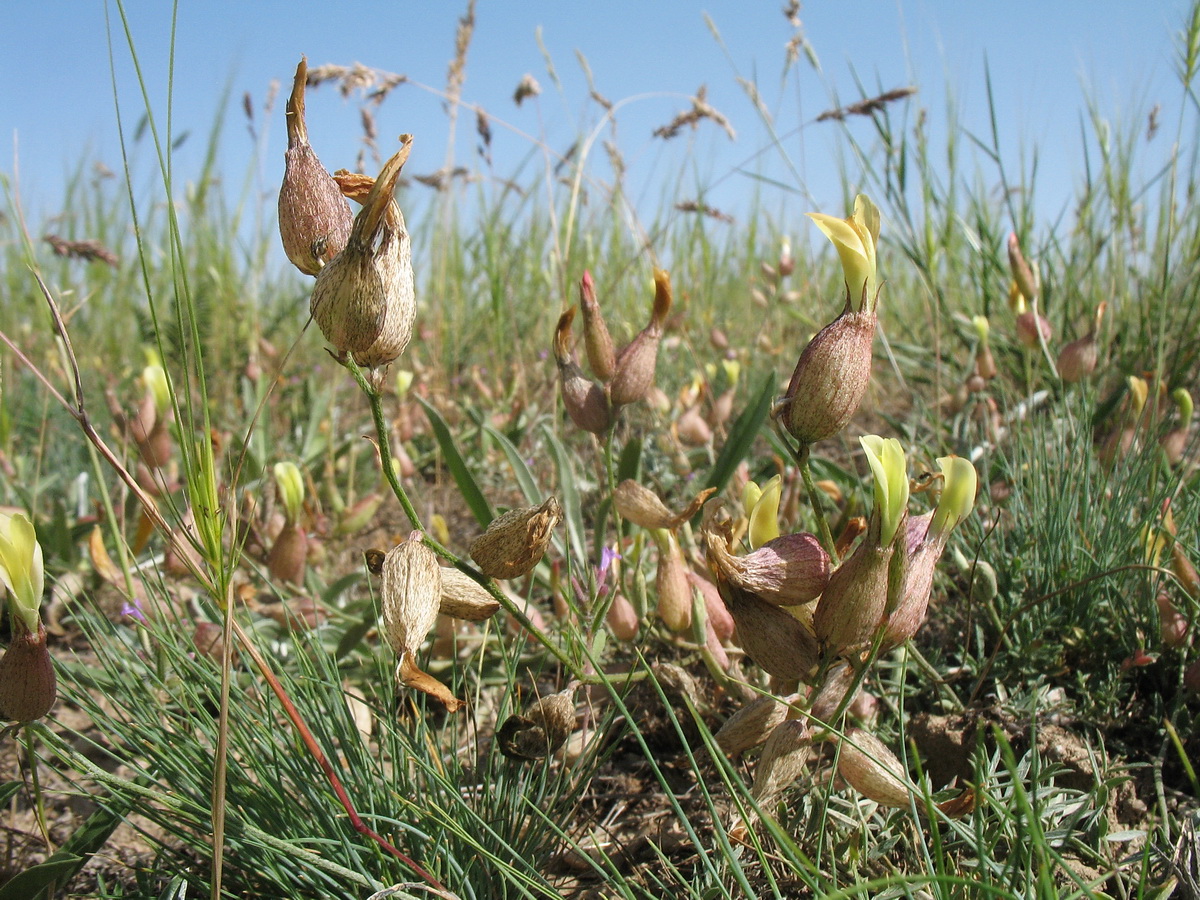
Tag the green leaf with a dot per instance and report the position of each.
(467, 485)
(630, 463)
(533, 493)
(33, 882)
(742, 435)
(8, 789)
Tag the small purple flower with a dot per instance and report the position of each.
(134, 610)
(607, 556)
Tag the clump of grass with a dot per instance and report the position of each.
(1048, 619)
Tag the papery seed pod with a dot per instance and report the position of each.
(1172, 626)
(873, 770)
(1029, 326)
(584, 400)
(672, 585)
(314, 217)
(692, 430)
(839, 679)
(288, 557)
(515, 542)
(831, 377)
(28, 685)
(411, 594)
(633, 376)
(596, 339)
(1022, 273)
(853, 604)
(465, 598)
(722, 408)
(752, 724)
(642, 506)
(784, 758)
(714, 607)
(364, 300)
(778, 642)
(1077, 360)
(786, 571)
(623, 619)
(544, 727)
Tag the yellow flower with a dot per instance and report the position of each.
(855, 238)
(290, 483)
(762, 509)
(21, 567)
(886, 458)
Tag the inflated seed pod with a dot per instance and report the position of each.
(634, 374)
(314, 217)
(364, 300)
(28, 685)
(544, 727)
(596, 338)
(585, 401)
(515, 542)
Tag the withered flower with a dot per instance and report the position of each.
(515, 542)
(364, 300)
(634, 374)
(314, 217)
(644, 508)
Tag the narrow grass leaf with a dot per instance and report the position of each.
(742, 435)
(466, 482)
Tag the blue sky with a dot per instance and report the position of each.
(1044, 59)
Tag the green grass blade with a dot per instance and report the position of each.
(742, 435)
(471, 493)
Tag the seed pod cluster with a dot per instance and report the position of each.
(625, 377)
(364, 300)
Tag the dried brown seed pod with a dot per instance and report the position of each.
(28, 685)
(288, 556)
(364, 300)
(544, 727)
(784, 758)
(465, 598)
(314, 217)
(411, 593)
(634, 374)
(515, 542)
(781, 644)
(873, 770)
(691, 428)
(585, 401)
(855, 600)
(752, 724)
(596, 338)
(642, 506)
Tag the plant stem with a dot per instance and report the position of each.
(815, 499)
(384, 445)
